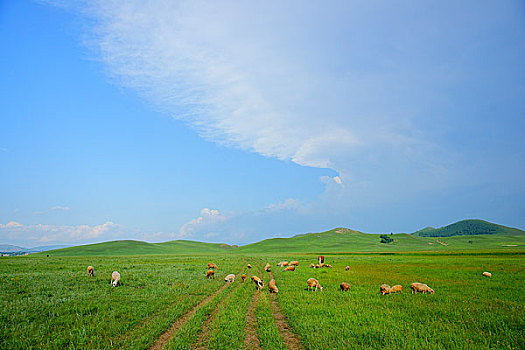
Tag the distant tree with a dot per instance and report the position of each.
(386, 239)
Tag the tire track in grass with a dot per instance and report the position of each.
(251, 341)
(291, 340)
(201, 343)
(168, 334)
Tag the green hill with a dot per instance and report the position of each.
(468, 228)
(130, 247)
(461, 236)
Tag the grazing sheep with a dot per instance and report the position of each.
(283, 263)
(289, 268)
(327, 265)
(312, 266)
(385, 289)
(344, 286)
(243, 276)
(347, 268)
(258, 282)
(213, 266)
(210, 274)
(397, 288)
(273, 286)
(249, 266)
(321, 259)
(115, 278)
(91, 271)
(230, 278)
(421, 288)
(294, 263)
(267, 268)
(487, 274)
(317, 266)
(312, 282)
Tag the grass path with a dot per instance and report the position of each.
(168, 334)
(291, 340)
(251, 341)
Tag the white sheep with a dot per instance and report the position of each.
(115, 278)
(487, 274)
(230, 278)
(421, 288)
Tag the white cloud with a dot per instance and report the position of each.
(208, 218)
(16, 232)
(289, 203)
(53, 209)
(277, 83)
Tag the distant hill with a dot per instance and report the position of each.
(130, 247)
(8, 248)
(468, 228)
(463, 235)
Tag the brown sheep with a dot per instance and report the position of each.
(267, 268)
(283, 263)
(344, 286)
(321, 259)
(317, 266)
(213, 266)
(397, 288)
(347, 268)
(421, 288)
(294, 263)
(243, 277)
(249, 266)
(385, 289)
(210, 274)
(312, 282)
(273, 286)
(487, 274)
(258, 282)
(91, 271)
(312, 266)
(289, 268)
(327, 265)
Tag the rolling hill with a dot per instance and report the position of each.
(468, 228)
(460, 236)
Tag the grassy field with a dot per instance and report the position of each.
(51, 303)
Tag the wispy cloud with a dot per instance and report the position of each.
(17, 232)
(53, 209)
(208, 218)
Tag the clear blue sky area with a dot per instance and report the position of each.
(239, 122)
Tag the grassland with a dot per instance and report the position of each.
(51, 303)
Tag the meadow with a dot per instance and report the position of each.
(165, 301)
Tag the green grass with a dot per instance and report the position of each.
(50, 303)
(468, 228)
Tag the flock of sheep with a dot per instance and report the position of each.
(312, 283)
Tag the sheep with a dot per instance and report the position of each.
(230, 278)
(249, 266)
(327, 265)
(321, 259)
(347, 268)
(213, 266)
(294, 263)
(317, 266)
(312, 282)
(273, 286)
(397, 288)
(91, 271)
(115, 278)
(210, 274)
(243, 276)
(312, 266)
(487, 274)
(258, 282)
(289, 268)
(344, 286)
(267, 268)
(283, 263)
(385, 289)
(421, 288)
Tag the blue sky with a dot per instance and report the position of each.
(230, 122)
